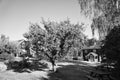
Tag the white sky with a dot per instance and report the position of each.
(15, 15)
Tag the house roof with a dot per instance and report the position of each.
(94, 54)
(91, 47)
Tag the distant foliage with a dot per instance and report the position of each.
(3, 43)
(7, 49)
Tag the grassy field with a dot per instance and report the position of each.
(65, 71)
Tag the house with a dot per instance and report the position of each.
(92, 57)
(91, 54)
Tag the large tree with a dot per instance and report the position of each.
(111, 49)
(103, 13)
(55, 39)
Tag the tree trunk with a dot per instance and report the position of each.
(53, 64)
(53, 67)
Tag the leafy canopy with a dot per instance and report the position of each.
(55, 39)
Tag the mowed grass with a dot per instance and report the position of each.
(10, 75)
(65, 71)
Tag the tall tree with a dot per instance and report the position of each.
(105, 14)
(89, 9)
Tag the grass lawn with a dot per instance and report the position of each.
(65, 71)
(10, 75)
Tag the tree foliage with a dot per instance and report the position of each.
(3, 42)
(90, 42)
(107, 14)
(111, 48)
(8, 49)
(55, 39)
(89, 8)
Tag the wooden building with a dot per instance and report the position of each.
(91, 54)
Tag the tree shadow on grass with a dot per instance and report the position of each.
(69, 72)
(26, 67)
